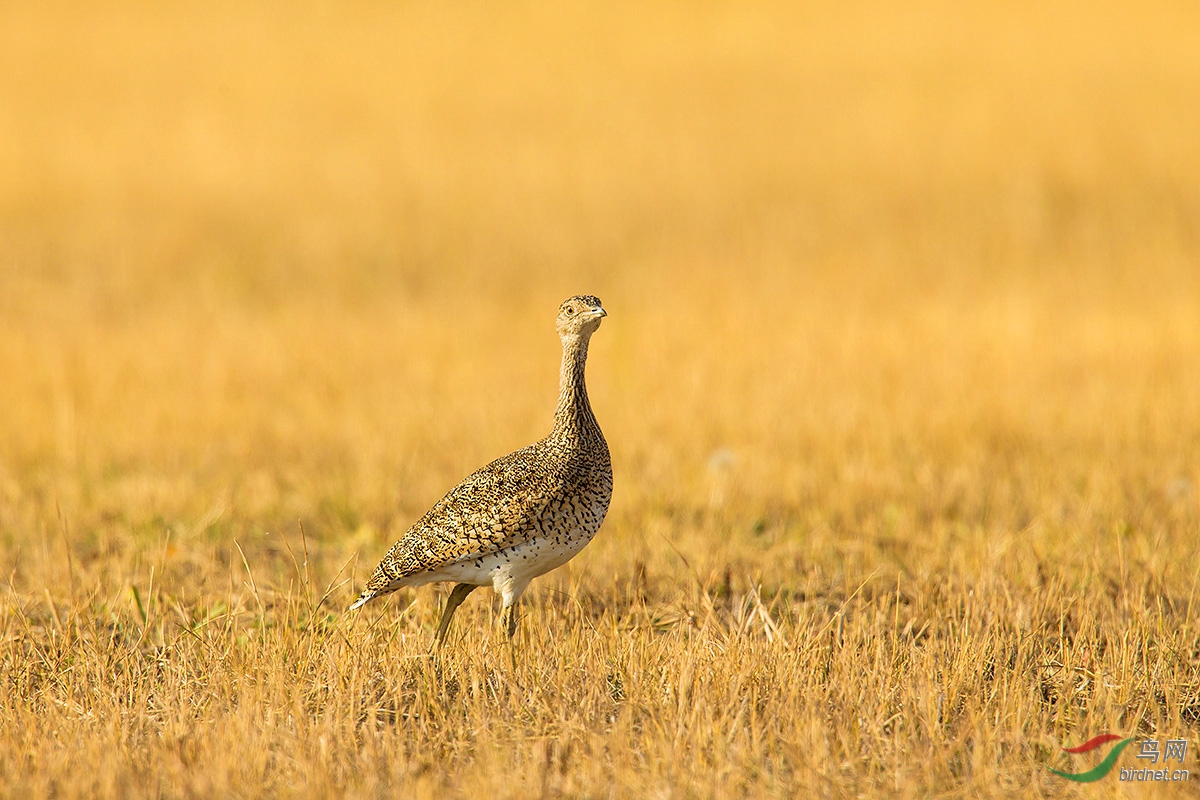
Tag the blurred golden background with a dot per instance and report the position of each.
(305, 231)
(902, 289)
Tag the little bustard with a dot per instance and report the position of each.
(521, 515)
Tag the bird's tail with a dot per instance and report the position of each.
(383, 581)
(367, 595)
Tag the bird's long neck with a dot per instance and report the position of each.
(573, 419)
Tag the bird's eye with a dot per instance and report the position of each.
(570, 311)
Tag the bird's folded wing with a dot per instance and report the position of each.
(492, 509)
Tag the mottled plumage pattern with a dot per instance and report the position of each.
(521, 515)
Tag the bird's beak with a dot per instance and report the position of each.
(599, 312)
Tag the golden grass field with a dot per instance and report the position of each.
(900, 379)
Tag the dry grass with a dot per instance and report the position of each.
(900, 379)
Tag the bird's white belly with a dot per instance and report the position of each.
(510, 570)
(522, 562)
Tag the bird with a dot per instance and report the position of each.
(521, 515)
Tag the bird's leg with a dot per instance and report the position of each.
(508, 619)
(458, 594)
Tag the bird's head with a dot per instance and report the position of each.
(579, 316)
